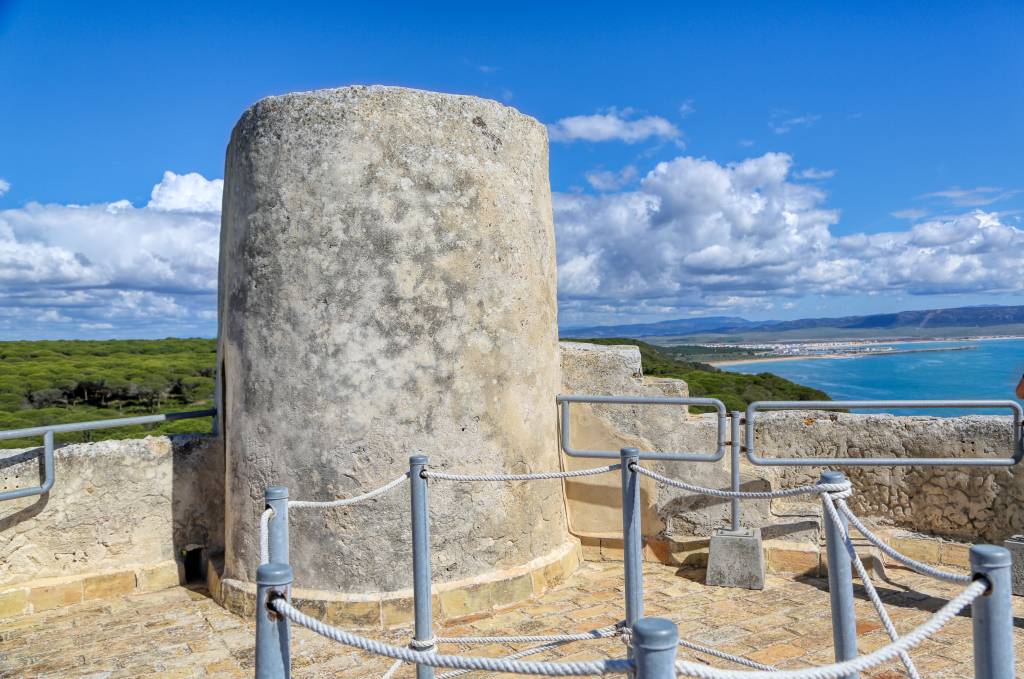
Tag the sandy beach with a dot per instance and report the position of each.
(851, 354)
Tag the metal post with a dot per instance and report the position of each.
(277, 528)
(840, 582)
(421, 558)
(632, 537)
(992, 614)
(273, 652)
(655, 643)
(735, 437)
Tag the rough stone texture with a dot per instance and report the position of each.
(387, 287)
(1016, 546)
(114, 505)
(736, 559)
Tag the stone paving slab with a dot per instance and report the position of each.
(181, 632)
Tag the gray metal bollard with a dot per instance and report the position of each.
(655, 643)
(992, 614)
(735, 471)
(421, 558)
(632, 537)
(276, 498)
(840, 582)
(273, 652)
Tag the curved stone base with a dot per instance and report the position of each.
(388, 609)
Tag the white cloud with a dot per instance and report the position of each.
(781, 124)
(700, 235)
(606, 180)
(614, 125)
(5, 186)
(976, 197)
(186, 193)
(815, 174)
(909, 213)
(145, 270)
(686, 109)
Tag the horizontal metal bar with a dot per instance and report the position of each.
(48, 476)
(103, 424)
(1015, 409)
(566, 400)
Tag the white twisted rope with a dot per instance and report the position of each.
(342, 502)
(739, 660)
(391, 670)
(431, 474)
(817, 489)
(303, 504)
(858, 664)
(600, 633)
(869, 586)
(265, 535)
(922, 568)
(561, 669)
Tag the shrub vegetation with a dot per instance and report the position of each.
(53, 382)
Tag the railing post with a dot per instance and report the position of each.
(632, 536)
(655, 643)
(992, 614)
(735, 471)
(273, 643)
(277, 528)
(840, 582)
(421, 558)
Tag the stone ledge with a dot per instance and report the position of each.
(451, 600)
(783, 556)
(44, 594)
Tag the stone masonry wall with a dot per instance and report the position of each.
(115, 506)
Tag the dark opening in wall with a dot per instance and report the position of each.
(194, 565)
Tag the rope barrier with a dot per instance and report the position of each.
(461, 662)
(342, 502)
(265, 535)
(833, 496)
(869, 586)
(739, 660)
(817, 489)
(860, 663)
(922, 568)
(537, 476)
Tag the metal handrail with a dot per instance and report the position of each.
(1015, 409)
(47, 432)
(565, 400)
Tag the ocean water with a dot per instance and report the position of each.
(989, 371)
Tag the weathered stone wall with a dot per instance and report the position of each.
(968, 504)
(115, 506)
(387, 287)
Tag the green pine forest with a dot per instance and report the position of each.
(53, 382)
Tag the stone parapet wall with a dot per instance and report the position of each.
(952, 503)
(117, 510)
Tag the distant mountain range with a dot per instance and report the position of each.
(936, 322)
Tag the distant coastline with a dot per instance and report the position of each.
(849, 354)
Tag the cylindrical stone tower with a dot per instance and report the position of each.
(387, 287)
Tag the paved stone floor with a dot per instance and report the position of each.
(182, 633)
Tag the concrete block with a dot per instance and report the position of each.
(736, 559)
(1016, 546)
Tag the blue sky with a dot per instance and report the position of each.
(884, 129)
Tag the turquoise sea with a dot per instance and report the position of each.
(989, 371)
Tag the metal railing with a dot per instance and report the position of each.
(738, 445)
(47, 432)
